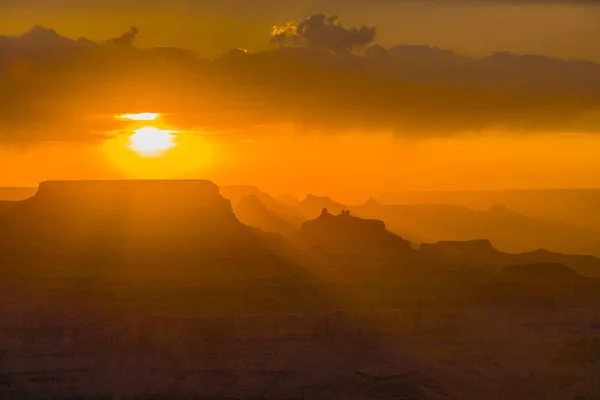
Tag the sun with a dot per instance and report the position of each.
(148, 148)
(151, 141)
(148, 140)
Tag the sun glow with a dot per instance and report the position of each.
(156, 150)
(139, 117)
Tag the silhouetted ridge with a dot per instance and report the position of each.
(345, 233)
(481, 254)
(347, 220)
(473, 247)
(251, 211)
(152, 200)
(235, 193)
(542, 204)
(501, 209)
(371, 202)
(312, 206)
(509, 231)
(179, 224)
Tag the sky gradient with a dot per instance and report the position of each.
(306, 119)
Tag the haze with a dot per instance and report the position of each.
(324, 199)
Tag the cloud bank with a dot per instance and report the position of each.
(323, 76)
(323, 31)
(127, 38)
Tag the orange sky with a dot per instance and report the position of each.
(350, 167)
(301, 160)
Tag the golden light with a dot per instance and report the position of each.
(139, 116)
(150, 141)
(157, 150)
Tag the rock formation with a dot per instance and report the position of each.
(312, 205)
(481, 254)
(508, 230)
(347, 234)
(475, 248)
(235, 193)
(160, 226)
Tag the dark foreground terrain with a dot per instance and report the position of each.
(156, 290)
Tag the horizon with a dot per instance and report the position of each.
(356, 200)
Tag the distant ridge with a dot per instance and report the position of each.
(547, 204)
(347, 234)
(236, 192)
(479, 247)
(312, 206)
(481, 254)
(251, 211)
(439, 219)
(16, 193)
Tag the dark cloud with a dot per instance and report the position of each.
(127, 38)
(320, 30)
(53, 88)
(40, 39)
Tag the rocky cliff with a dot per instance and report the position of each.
(158, 226)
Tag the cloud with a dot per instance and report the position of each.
(324, 31)
(40, 39)
(53, 88)
(127, 38)
(284, 34)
